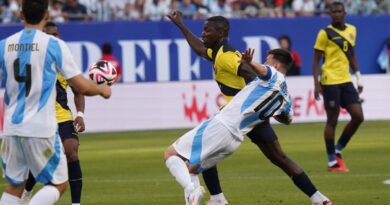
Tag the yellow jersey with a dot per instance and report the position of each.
(337, 46)
(225, 62)
(63, 112)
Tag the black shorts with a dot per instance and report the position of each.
(67, 131)
(339, 95)
(262, 133)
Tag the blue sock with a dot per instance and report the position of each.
(75, 181)
(210, 177)
(330, 150)
(303, 182)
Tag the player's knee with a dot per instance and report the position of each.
(72, 156)
(169, 152)
(358, 118)
(61, 187)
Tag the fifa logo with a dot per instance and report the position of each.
(193, 111)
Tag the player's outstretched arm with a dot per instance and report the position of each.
(88, 88)
(177, 18)
(247, 57)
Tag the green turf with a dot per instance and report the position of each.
(127, 168)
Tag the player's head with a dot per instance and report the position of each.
(107, 48)
(337, 12)
(285, 42)
(51, 29)
(280, 59)
(214, 29)
(35, 11)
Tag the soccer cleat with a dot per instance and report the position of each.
(196, 196)
(26, 197)
(217, 202)
(327, 202)
(337, 168)
(341, 163)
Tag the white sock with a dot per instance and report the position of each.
(48, 195)
(8, 199)
(318, 197)
(179, 170)
(195, 179)
(332, 163)
(218, 197)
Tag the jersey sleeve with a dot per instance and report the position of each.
(66, 63)
(321, 41)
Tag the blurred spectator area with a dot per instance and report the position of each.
(156, 10)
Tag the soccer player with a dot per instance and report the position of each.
(68, 131)
(30, 60)
(231, 77)
(335, 44)
(215, 139)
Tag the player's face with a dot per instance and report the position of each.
(51, 30)
(337, 13)
(272, 62)
(210, 35)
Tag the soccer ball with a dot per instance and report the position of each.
(103, 72)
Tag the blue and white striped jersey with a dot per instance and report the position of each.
(261, 99)
(30, 60)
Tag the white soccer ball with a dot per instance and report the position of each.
(103, 72)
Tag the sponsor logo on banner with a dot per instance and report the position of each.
(193, 111)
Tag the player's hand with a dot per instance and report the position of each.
(176, 17)
(79, 124)
(105, 91)
(247, 56)
(317, 91)
(360, 88)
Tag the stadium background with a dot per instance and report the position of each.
(167, 86)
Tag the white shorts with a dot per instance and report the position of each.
(44, 157)
(206, 144)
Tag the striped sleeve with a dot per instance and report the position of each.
(66, 63)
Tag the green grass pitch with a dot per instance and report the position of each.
(127, 168)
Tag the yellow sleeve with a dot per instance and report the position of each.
(321, 41)
(354, 34)
(230, 60)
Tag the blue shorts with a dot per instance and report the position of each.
(67, 131)
(262, 133)
(339, 95)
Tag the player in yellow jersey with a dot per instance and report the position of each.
(335, 44)
(68, 131)
(232, 76)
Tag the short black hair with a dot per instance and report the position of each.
(337, 3)
(283, 56)
(106, 48)
(50, 24)
(221, 22)
(34, 10)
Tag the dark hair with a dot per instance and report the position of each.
(106, 48)
(34, 10)
(285, 37)
(50, 24)
(283, 56)
(337, 3)
(221, 22)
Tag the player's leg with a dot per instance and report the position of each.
(211, 179)
(27, 193)
(15, 170)
(70, 140)
(55, 180)
(332, 97)
(266, 140)
(350, 101)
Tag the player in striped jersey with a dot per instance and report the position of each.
(215, 139)
(68, 131)
(231, 77)
(30, 60)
